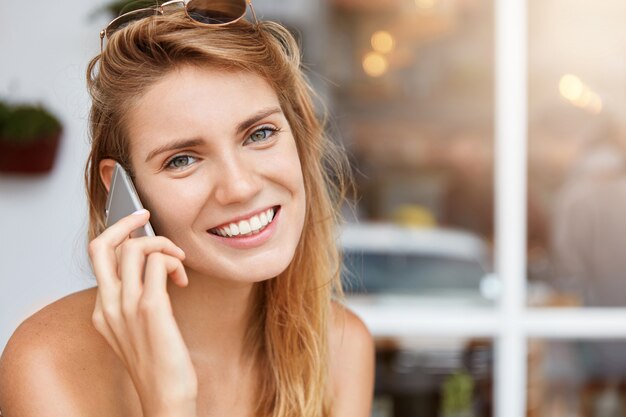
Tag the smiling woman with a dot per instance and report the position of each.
(234, 308)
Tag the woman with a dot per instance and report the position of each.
(233, 316)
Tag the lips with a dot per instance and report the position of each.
(248, 226)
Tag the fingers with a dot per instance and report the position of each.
(154, 305)
(120, 265)
(158, 267)
(133, 253)
(118, 232)
(152, 300)
(102, 253)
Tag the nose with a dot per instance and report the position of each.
(236, 180)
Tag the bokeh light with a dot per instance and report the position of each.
(383, 42)
(375, 64)
(571, 87)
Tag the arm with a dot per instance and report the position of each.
(353, 367)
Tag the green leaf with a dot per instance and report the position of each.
(26, 123)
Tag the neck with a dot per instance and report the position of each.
(213, 316)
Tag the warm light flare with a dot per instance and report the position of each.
(383, 42)
(425, 4)
(573, 89)
(375, 64)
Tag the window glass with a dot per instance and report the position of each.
(411, 97)
(421, 377)
(576, 378)
(577, 165)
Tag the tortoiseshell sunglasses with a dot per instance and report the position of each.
(205, 12)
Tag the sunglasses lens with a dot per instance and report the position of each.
(128, 18)
(216, 11)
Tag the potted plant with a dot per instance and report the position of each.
(29, 138)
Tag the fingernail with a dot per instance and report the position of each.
(140, 211)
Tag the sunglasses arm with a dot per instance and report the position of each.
(256, 21)
(102, 34)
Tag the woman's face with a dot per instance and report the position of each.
(214, 155)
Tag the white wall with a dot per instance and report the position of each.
(44, 49)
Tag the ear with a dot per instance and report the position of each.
(106, 171)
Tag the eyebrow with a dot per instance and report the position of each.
(188, 143)
(255, 118)
(179, 144)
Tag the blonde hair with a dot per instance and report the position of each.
(290, 332)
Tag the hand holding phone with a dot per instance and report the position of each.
(133, 310)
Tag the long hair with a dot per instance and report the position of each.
(289, 334)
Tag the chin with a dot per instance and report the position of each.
(250, 272)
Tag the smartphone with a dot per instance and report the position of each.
(124, 200)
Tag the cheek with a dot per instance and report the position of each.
(281, 169)
(171, 207)
(287, 161)
(287, 171)
(294, 181)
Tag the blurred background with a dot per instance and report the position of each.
(409, 86)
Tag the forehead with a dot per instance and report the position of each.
(194, 101)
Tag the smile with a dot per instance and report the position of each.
(246, 227)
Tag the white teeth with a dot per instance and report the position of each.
(244, 227)
(253, 225)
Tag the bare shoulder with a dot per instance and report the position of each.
(50, 357)
(348, 328)
(352, 363)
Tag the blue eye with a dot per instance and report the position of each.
(262, 134)
(180, 161)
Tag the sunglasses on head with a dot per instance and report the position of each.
(205, 12)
